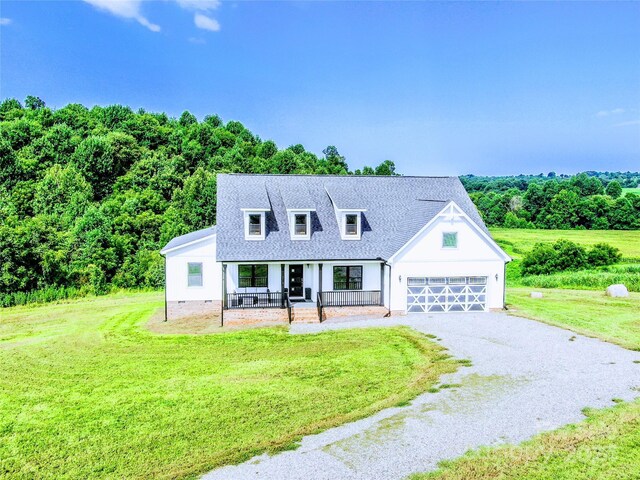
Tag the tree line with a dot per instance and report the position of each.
(589, 200)
(88, 196)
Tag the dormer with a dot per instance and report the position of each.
(348, 209)
(299, 224)
(299, 205)
(254, 205)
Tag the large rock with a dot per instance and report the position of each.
(618, 290)
(536, 294)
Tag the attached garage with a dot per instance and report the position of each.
(446, 294)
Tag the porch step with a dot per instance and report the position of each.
(304, 315)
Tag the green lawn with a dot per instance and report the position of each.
(523, 240)
(606, 446)
(631, 190)
(616, 320)
(85, 392)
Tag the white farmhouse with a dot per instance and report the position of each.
(308, 247)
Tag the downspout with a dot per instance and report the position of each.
(165, 288)
(504, 289)
(384, 262)
(224, 293)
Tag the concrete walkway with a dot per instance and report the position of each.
(526, 378)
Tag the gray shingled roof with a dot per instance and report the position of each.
(188, 238)
(396, 209)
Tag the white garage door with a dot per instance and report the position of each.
(446, 294)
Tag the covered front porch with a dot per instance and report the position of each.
(303, 289)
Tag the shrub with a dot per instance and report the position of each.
(547, 258)
(564, 255)
(602, 254)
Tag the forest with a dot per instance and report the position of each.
(589, 200)
(88, 196)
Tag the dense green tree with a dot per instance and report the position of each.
(614, 189)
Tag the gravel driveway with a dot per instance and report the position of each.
(526, 378)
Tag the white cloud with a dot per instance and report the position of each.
(206, 23)
(204, 5)
(606, 113)
(125, 9)
(626, 124)
(5, 21)
(131, 9)
(197, 41)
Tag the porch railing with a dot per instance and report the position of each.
(256, 300)
(349, 298)
(319, 306)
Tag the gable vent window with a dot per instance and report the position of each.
(255, 224)
(194, 275)
(450, 240)
(300, 226)
(351, 224)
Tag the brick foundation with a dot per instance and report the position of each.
(341, 312)
(256, 316)
(193, 308)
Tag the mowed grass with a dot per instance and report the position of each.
(631, 190)
(523, 240)
(606, 446)
(87, 392)
(592, 313)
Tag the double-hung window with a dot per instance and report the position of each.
(300, 224)
(252, 276)
(194, 274)
(351, 224)
(347, 277)
(255, 224)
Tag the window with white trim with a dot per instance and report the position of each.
(450, 240)
(194, 274)
(300, 224)
(351, 224)
(255, 224)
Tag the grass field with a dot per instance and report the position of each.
(85, 392)
(616, 320)
(523, 240)
(631, 190)
(603, 447)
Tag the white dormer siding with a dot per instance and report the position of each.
(299, 223)
(350, 222)
(254, 223)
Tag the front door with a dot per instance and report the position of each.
(295, 281)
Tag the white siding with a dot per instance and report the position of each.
(201, 252)
(424, 256)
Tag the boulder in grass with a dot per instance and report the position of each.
(618, 290)
(536, 294)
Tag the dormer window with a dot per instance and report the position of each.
(300, 225)
(254, 225)
(351, 224)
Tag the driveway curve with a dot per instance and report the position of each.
(526, 377)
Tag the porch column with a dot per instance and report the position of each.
(320, 277)
(382, 284)
(282, 284)
(224, 293)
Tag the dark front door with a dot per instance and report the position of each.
(295, 281)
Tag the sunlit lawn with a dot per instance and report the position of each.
(86, 392)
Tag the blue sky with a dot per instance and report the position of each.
(439, 88)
